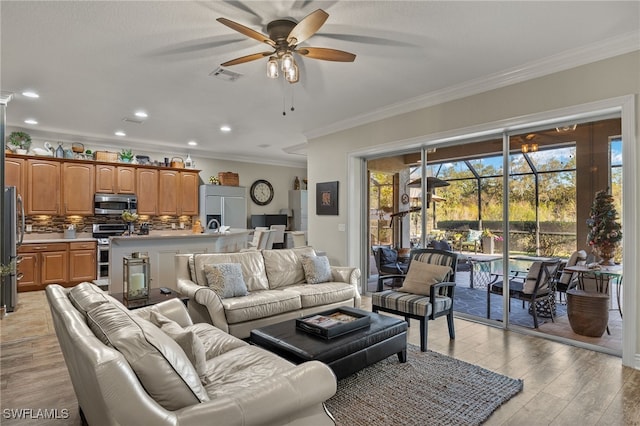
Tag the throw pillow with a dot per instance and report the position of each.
(422, 276)
(316, 269)
(161, 366)
(189, 341)
(226, 279)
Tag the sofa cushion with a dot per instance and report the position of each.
(260, 304)
(215, 341)
(284, 267)
(188, 340)
(226, 279)
(316, 269)
(241, 369)
(86, 296)
(323, 294)
(160, 364)
(252, 267)
(422, 276)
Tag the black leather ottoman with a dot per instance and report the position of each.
(345, 354)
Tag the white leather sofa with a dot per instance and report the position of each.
(126, 370)
(277, 288)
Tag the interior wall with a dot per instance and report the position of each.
(328, 156)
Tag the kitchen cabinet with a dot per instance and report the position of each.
(188, 194)
(168, 188)
(115, 179)
(43, 264)
(14, 174)
(147, 191)
(77, 188)
(82, 262)
(43, 187)
(178, 192)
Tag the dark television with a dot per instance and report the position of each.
(268, 220)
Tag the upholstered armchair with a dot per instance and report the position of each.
(426, 292)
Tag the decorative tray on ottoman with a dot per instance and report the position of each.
(333, 323)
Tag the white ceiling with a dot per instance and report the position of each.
(95, 63)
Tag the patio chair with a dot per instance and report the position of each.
(537, 288)
(568, 280)
(388, 265)
(473, 239)
(426, 293)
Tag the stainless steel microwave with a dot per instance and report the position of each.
(114, 203)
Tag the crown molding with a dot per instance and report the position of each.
(604, 49)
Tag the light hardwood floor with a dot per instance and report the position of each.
(563, 385)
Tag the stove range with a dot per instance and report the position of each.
(102, 232)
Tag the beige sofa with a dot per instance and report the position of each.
(277, 289)
(126, 370)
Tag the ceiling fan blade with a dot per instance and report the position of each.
(247, 58)
(246, 31)
(326, 54)
(307, 27)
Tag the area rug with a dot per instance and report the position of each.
(429, 389)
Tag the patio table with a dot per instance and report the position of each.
(602, 276)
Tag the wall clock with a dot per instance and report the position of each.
(261, 192)
(405, 198)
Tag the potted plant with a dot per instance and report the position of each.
(19, 142)
(488, 241)
(126, 156)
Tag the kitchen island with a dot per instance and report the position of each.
(162, 246)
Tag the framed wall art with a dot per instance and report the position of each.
(327, 198)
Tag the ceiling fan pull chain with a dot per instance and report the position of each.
(284, 101)
(292, 108)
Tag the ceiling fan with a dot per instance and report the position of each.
(284, 37)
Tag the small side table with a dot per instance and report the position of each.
(155, 297)
(588, 312)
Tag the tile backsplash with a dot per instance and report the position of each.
(57, 224)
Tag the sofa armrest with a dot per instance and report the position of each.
(275, 400)
(213, 304)
(345, 274)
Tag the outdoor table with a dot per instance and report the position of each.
(602, 276)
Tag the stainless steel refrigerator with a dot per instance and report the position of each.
(12, 234)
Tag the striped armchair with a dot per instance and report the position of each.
(438, 303)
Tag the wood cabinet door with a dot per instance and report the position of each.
(30, 270)
(168, 188)
(78, 188)
(43, 187)
(188, 195)
(126, 180)
(14, 172)
(82, 265)
(54, 268)
(147, 191)
(106, 179)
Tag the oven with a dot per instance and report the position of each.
(102, 232)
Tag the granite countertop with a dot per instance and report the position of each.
(180, 234)
(36, 238)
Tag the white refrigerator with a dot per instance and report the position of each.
(12, 235)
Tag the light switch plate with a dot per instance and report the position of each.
(342, 227)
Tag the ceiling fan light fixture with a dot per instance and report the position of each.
(287, 62)
(272, 67)
(293, 73)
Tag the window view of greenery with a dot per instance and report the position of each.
(380, 207)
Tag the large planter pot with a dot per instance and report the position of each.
(588, 312)
(487, 245)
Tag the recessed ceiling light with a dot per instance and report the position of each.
(192, 143)
(31, 121)
(225, 128)
(141, 114)
(120, 133)
(30, 94)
